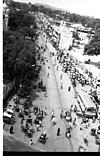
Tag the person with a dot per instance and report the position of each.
(71, 108)
(61, 114)
(30, 130)
(74, 122)
(61, 76)
(75, 108)
(37, 126)
(85, 138)
(69, 88)
(45, 111)
(61, 86)
(57, 67)
(11, 129)
(21, 122)
(45, 94)
(58, 131)
(52, 113)
(70, 125)
(44, 135)
(54, 120)
(48, 75)
(68, 132)
(31, 142)
(48, 67)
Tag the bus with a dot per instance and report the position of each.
(86, 105)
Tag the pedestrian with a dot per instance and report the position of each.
(48, 75)
(45, 111)
(30, 130)
(45, 94)
(54, 121)
(71, 108)
(70, 125)
(37, 126)
(21, 122)
(31, 142)
(75, 108)
(58, 131)
(61, 114)
(86, 140)
(61, 76)
(61, 86)
(74, 122)
(11, 129)
(94, 119)
(52, 114)
(69, 88)
(57, 67)
(42, 113)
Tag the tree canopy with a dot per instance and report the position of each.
(19, 46)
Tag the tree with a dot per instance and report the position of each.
(20, 19)
(75, 35)
(18, 56)
(93, 48)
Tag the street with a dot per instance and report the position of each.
(57, 99)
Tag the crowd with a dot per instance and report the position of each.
(31, 117)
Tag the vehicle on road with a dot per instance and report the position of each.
(9, 111)
(98, 139)
(68, 133)
(43, 138)
(68, 116)
(8, 118)
(81, 149)
(86, 105)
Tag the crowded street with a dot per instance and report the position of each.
(53, 106)
(51, 78)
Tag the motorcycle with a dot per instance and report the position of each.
(68, 134)
(81, 149)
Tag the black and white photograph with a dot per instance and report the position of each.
(50, 76)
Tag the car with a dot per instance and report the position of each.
(90, 112)
(98, 139)
(79, 113)
(10, 111)
(8, 118)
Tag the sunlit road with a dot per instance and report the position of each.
(58, 100)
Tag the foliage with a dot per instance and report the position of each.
(22, 6)
(93, 48)
(75, 35)
(19, 45)
(67, 16)
(19, 19)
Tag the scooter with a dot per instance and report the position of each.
(68, 134)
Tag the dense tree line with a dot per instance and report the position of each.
(72, 17)
(93, 47)
(19, 48)
(22, 6)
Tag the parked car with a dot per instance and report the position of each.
(8, 118)
(98, 139)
